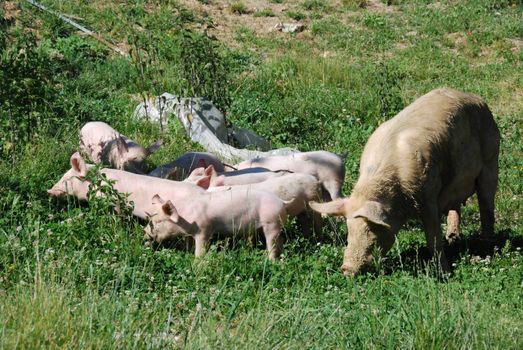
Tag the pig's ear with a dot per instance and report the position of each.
(154, 147)
(373, 212)
(121, 145)
(204, 182)
(157, 200)
(336, 207)
(219, 181)
(209, 170)
(78, 164)
(169, 210)
(195, 172)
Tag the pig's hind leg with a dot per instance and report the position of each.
(486, 185)
(453, 222)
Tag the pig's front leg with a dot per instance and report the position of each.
(274, 240)
(201, 243)
(432, 226)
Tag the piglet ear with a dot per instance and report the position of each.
(209, 170)
(78, 164)
(169, 209)
(373, 212)
(204, 182)
(121, 145)
(154, 147)
(157, 200)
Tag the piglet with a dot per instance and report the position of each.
(234, 178)
(140, 188)
(103, 144)
(327, 167)
(232, 212)
(298, 188)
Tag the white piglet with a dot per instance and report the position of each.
(140, 188)
(327, 167)
(232, 212)
(103, 144)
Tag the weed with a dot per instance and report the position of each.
(204, 68)
(315, 5)
(239, 8)
(354, 3)
(296, 15)
(264, 13)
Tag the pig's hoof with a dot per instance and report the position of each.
(452, 237)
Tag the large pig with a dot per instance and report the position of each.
(140, 188)
(234, 178)
(422, 163)
(328, 168)
(104, 144)
(232, 212)
(183, 166)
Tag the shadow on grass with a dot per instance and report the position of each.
(417, 260)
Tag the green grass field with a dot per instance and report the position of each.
(74, 275)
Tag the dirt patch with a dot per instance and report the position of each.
(378, 6)
(227, 23)
(517, 44)
(459, 40)
(510, 100)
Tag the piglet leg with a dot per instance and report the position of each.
(201, 243)
(274, 240)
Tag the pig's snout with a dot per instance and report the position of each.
(348, 271)
(148, 236)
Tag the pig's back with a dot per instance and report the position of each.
(242, 208)
(445, 134)
(98, 131)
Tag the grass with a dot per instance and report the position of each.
(239, 8)
(296, 15)
(77, 276)
(264, 13)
